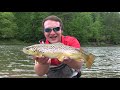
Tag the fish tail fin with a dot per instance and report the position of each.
(89, 60)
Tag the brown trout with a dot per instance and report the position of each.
(60, 51)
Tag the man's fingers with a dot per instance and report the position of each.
(43, 60)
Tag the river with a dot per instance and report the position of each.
(15, 64)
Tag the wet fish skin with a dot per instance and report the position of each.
(60, 51)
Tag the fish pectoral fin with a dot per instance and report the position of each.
(79, 60)
(39, 55)
(60, 57)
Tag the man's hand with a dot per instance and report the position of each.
(67, 60)
(42, 60)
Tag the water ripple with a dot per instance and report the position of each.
(15, 63)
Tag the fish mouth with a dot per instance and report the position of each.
(24, 50)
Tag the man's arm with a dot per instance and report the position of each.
(41, 65)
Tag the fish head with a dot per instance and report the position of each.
(30, 50)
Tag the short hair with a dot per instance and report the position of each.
(53, 18)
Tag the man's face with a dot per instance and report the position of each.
(53, 36)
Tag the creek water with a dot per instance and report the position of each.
(15, 64)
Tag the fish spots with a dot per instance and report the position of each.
(58, 50)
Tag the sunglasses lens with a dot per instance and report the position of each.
(48, 30)
(56, 29)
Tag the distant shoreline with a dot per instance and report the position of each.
(18, 42)
(13, 42)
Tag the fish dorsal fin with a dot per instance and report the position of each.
(78, 49)
(82, 51)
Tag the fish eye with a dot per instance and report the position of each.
(27, 48)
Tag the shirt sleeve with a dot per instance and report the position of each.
(74, 42)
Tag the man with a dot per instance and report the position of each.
(53, 68)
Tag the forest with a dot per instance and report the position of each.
(90, 28)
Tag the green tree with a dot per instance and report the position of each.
(80, 26)
(111, 27)
(8, 26)
(29, 24)
(96, 28)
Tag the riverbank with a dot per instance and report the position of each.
(14, 42)
(18, 42)
(94, 44)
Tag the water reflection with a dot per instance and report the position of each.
(15, 64)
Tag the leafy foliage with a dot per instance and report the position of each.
(97, 27)
(8, 26)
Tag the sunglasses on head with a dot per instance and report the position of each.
(55, 29)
